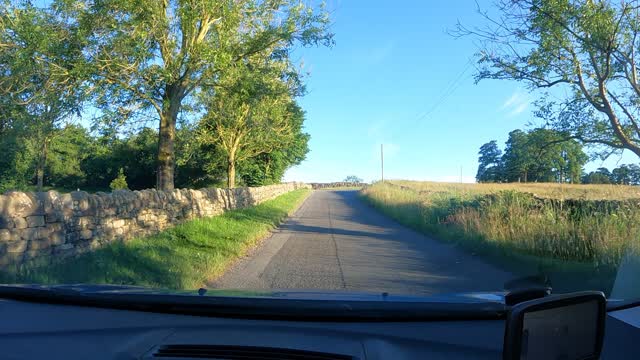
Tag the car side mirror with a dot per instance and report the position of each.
(566, 327)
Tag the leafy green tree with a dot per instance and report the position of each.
(198, 165)
(152, 55)
(621, 175)
(251, 112)
(269, 168)
(120, 182)
(67, 151)
(489, 163)
(517, 158)
(39, 77)
(634, 174)
(353, 179)
(600, 176)
(556, 159)
(585, 47)
(542, 155)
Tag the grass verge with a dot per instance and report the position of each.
(574, 245)
(186, 256)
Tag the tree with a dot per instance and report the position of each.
(251, 112)
(153, 55)
(67, 151)
(120, 182)
(555, 159)
(600, 176)
(269, 168)
(39, 76)
(621, 175)
(353, 179)
(517, 157)
(634, 174)
(489, 163)
(542, 155)
(586, 47)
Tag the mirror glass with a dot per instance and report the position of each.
(567, 333)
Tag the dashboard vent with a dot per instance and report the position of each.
(231, 352)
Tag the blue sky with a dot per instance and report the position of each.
(396, 77)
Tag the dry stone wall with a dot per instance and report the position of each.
(336, 185)
(42, 227)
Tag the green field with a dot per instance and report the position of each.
(567, 232)
(187, 256)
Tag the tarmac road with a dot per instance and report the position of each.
(337, 242)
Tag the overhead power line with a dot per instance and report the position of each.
(448, 91)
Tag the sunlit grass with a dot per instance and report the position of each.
(579, 238)
(545, 190)
(501, 216)
(184, 257)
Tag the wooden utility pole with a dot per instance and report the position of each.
(382, 161)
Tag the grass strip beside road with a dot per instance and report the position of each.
(186, 256)
(573, 248)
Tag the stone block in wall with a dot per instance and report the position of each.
(39, 244)
(72, 237)
(42, 232)
(35, 221)
(55, 227)
(28, 234)
(117, 223)
(53, 217)
(19, 204)
(64, 204)
(46, 202)
(84, 222)
(5, 235)
(19, 223)
(16, 246)
(80, 202)
(86, 234)
(6, 223)
(57, 238)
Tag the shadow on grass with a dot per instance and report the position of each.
(184, 257)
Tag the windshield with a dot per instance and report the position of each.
(348, 146)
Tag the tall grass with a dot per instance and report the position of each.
(509, 225)
(542, 190)
(577, 230)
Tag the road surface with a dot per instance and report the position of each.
(336, 242)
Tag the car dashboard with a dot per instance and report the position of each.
(31, 330)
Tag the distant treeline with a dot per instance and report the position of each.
(544, 155)
(75, 158)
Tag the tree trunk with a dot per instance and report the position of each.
(231, 173)
(42, 161)
(166, 140)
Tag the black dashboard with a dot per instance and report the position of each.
(31, 330)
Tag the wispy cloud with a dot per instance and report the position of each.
(516, 104)
(375, 129)
(373, 55)
(390, 150)
(380, 53)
